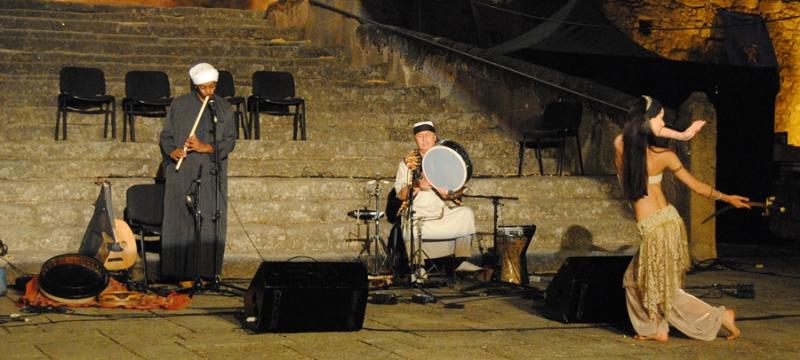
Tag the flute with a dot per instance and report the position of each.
(194, 128)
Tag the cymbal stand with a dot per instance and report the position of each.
(380, 245)
(418, 255)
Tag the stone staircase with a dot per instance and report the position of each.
(286, 197)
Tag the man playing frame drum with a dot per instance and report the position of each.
(445, 228)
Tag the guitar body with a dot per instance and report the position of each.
(122, 254)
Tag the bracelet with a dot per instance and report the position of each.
(719, 196)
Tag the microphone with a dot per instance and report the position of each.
(212, 108)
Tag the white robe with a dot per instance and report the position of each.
(444, 230)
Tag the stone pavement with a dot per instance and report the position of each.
(486, 328)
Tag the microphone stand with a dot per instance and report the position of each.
(415, 175)
(496, 204)
(193, 202)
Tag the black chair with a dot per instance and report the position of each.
(83, 90)
(143, 212)
(273, 94)
(226, 88)
(147, 93)
(560, 120)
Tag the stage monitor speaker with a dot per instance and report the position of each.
(306, 296)
(588, 289)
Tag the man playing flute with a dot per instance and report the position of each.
(181, 257)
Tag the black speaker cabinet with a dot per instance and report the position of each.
(588, 289)
(306, 296)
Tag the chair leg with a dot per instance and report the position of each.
(143, 252)
(113, 120)
(133, 130)
(245, 122)
(521, 157)
(238, 123)
(124, 124)
(105, 121)
(303, 121)
(58, 120)
(64, 125)
(295, 122)
(561, 155)
(539, 157)
(256, 121)
(580, 157)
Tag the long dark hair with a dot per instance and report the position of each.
(637, 136)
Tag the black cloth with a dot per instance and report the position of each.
(178, 242)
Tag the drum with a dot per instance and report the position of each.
(72, 278)
(511, 245)
(447, 165)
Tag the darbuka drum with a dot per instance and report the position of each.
(72, 278)
(447, 165)
(511, 245)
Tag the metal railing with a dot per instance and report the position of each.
(416, 36)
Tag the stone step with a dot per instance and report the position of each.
(307, 88)
(328, 69)
(272, 128)
(30, 160)
(155, 15)
(378, 103)
(318, 97)
(52, 9)
(231, 58)
(446, 122)
(527, 189)
(311, 89)
(309, 215)
(322, 211)
(130, 45)
(221, 28)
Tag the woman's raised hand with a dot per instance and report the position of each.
(692, 130)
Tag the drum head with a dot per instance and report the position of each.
(73, 277)
(444, 168)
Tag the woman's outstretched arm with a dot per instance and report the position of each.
(701, 188)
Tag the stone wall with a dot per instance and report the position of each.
(703, 43)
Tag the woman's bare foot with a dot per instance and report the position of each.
(729, 323)
(657, 337)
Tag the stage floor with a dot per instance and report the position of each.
(488, 327)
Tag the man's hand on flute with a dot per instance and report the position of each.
(194, 144)
(191, 144)
(177, 154)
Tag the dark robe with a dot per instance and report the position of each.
(178, 241)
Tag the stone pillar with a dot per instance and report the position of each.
(700, 158)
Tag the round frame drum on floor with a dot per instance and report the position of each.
(72, 278)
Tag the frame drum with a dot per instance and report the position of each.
(72, 278)
(447, 165)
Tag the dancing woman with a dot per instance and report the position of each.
(654, 279)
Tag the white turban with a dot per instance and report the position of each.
(203, 73)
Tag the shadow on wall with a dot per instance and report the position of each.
(578, 241)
